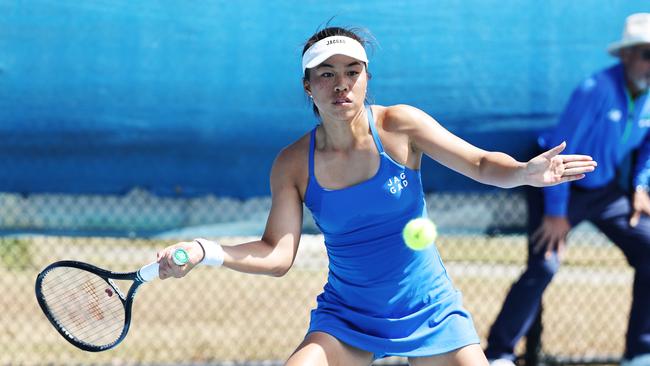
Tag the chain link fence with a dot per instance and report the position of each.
(217, 316)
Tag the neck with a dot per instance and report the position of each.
(633, 90)
(344, 134)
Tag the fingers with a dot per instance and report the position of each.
(560, 249)
(571, 158)
(577, 167)
(565, 168)
(550, 154)
(556, 150)
(541, 238)
(573, 164)
(578, 171)
(539, 245)
(167, 267)
(548, 243)
(641, 202)
(634, 218)
(162, 264)
(535, 236)
(545, 244)
(570, 178)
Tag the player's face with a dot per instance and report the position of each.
(338, 86)
(637, 66)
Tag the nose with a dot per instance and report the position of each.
(340, 85)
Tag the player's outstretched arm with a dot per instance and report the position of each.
(489, 167)
(273, 254)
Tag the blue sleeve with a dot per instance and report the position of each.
(573, 125)
(642, 168)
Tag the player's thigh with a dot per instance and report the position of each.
(471, 355)
(320, 349)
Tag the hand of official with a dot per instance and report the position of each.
(551, 235)
(640, 205)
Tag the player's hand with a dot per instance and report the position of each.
(551, 235)
(166, 262)
(550, 168)
(640, 205)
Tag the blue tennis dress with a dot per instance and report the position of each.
(381, 296)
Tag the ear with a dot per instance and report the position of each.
(306, 86)
(625, 54)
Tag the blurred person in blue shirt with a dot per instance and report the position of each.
(607, 117)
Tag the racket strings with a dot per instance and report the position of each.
(83, 323)
(84, 305)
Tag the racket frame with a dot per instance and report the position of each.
(108, 276)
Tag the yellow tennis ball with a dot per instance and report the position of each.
(419, 233)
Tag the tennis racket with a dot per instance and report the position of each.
(86, 306)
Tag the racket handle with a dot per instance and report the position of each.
(180, 257)
(149, 272)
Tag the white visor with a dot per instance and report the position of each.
(330, 46)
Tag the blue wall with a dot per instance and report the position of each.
(194, 97)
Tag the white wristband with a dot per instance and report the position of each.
(213, 252)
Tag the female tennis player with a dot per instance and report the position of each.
(358, 173)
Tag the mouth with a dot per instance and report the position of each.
(342, 101)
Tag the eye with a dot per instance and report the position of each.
(353, 73)
(327, 74)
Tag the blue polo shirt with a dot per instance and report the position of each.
(603, 121)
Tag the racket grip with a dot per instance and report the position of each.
(149, 272)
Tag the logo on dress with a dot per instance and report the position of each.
(614, 115)
(396, 184)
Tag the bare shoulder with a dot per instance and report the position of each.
(396, 125)
(402, 117)
(414, 127)
(291, 164)
(294, 153)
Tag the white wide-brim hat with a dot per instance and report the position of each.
(636, 31)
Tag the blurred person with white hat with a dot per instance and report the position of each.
(607, 117)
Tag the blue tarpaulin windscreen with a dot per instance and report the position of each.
(190, 98)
